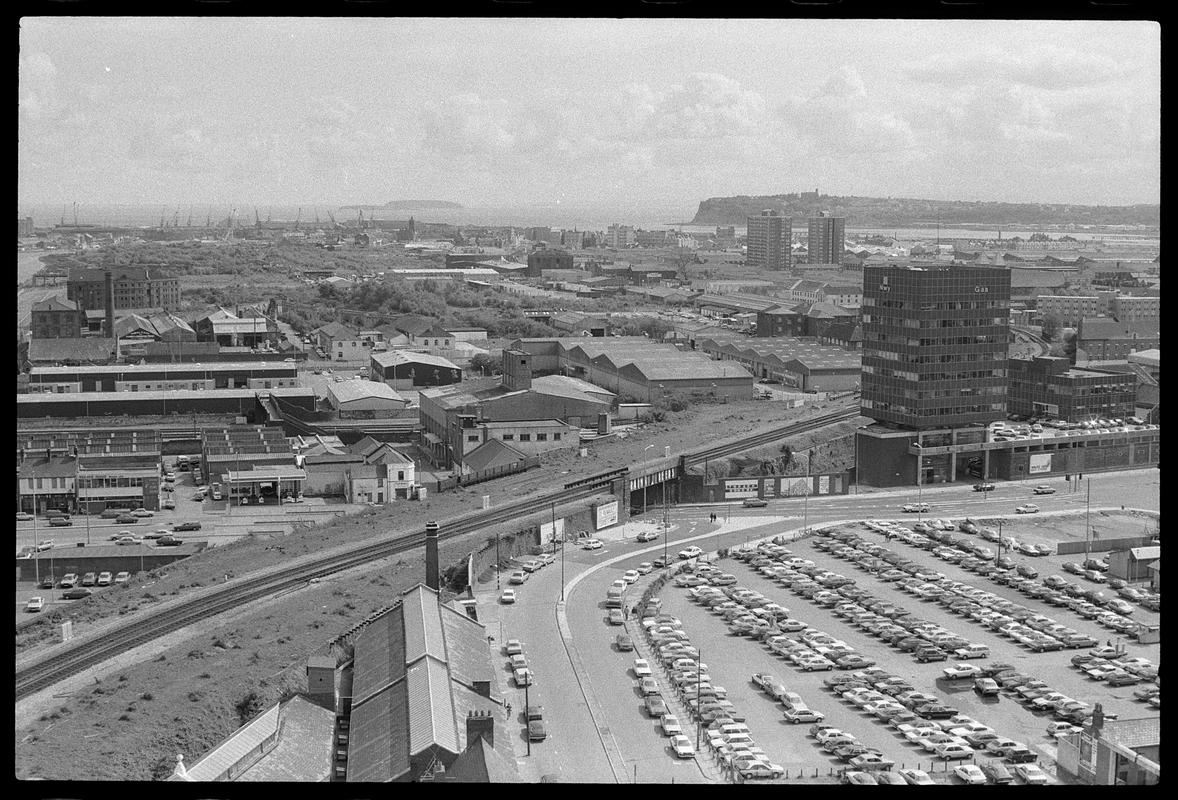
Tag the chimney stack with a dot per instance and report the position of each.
(480, 723)
(109, 286)
(432, 573)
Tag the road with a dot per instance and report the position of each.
(598, 732)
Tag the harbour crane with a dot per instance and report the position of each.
(229, 230)
(189, 225)
(298, 217)
(334, 224)
(257, 219)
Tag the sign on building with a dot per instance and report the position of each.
(605, 514)
(735, 490)
(1040, 462)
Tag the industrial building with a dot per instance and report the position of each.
(799, 363)
(255, 463)
(239, 402)
(1107, 339)
(404, 369)
(1124, 752)
(634, 367)
(55, 318)
(127, 287)
(361, 399)
(83, 350)
(250, 329)
(163, 377)
(1133, 564)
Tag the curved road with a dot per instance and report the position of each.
(597, 728)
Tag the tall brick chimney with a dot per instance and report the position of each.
(480, 723)
(432, 573)
(109, 288)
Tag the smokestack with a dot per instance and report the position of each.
(432, 573)
(109, 283)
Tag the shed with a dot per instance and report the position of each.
(364, 398)
(1133, 563)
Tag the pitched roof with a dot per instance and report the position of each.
(393, 357)
(1146, 553)
(48, 468)
(131, 323)
(492, 453)
(481, 763)
(80, 350)
(413, 324)
(352, 390)
(1106, 328)
(336, 330)
(55, 304)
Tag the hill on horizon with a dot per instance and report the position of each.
(912, 212)
(411, 204)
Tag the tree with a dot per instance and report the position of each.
(1050, 326)
(484, 363)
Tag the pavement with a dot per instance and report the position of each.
(598, 731)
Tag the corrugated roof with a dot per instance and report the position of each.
(423, 625)
(431, 707)
(378, 747)
(379, 656)
(466, 646)
(351, 391)
(87, 348)
(492, 453)
(1146, 553)
(217, 761)
(393, 357)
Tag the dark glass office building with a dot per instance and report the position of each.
(935, 341)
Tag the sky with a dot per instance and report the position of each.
(588, 113)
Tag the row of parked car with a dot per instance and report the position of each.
(1054, 590)
(520, 576)
(728, 735)
(521, 673)
(1094, 569)
(1117, 668)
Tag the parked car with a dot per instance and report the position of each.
(983, 487)
(508, 596)
(1031, 773)
(126, 519)
(1044, 489)
(122, 577)
(89, 579)
(986, 687)
(1027, 508)
(76, 593)
(754, 502)
(104, 579)
(996, 772)
(916, 777)
(69, 580)
(970, 774)
(35, 604)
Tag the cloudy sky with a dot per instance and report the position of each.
(590, 113)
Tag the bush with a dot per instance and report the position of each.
(147, 696)
(249, 706)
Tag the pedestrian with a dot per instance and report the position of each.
(508, 707)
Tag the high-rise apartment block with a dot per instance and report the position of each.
(935, 344)
(620, 236)
(824, 243)
(769, 237)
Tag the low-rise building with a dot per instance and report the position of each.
(83, 350)
(362, 399)
(1113, 752)
(1050, 386)
(123, 481)
(405, 369)
(44, 483)
(1133, 564)
(55, 318)
(1106, 339)
(230, 330)
(243, 448)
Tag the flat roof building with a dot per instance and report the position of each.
(362, 399)
(825, 238)
(1048, 386)
(935, 344)
(769, 237)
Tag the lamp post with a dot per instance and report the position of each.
(527, 722)
(806, 498)
(666, 533)
(919, 482)
(1088, 521)
(645, 478)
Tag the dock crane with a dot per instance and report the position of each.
(331, 216)
(229, 230)
(298, 217)
(189, 225)
(176, 218)
(316, 217)
(257, 219)
(209, 218)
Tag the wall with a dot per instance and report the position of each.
(1103, 545)
(880, 460)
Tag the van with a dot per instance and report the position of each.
(216, 491)
(613, 597)
(182, 463)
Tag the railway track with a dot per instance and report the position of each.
(41, 674)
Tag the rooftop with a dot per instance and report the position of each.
(352, 390)
(394, 357)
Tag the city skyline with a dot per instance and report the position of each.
(638, 115)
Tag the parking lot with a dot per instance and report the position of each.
(732, 659)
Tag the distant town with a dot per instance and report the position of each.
(377, 440)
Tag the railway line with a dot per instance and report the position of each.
(47, 671)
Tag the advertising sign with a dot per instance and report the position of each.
(739, 489)
(605, 514)
(546, 535)
(1040, 462)
(797, 486)
(823, 484)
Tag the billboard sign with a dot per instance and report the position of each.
(1040, 462)
(546, 531)
(739, 489)
(604, 515)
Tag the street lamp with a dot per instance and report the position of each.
(919, 482)
(806, 497)
(645, 477)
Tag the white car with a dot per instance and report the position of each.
(642, 668)
(523, 677)
(961, 671)
(35, 604)
(1030, 773)
(917, 777)
(915, 508)
(142, 513)
(671, 726)
(682, 746)
(645, 568)
(508, 596)
(591, 544)
(690, 552)
(631, 575)
(969, 773)
(1027, 508)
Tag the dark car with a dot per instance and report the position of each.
(754, 502)
(168, 541)
(935, 711)
(990, 670)
(186, 526)
(76, 593)
(924, 655)
(535, 712)
(47, 582)
(126, 519)
(536, 731)
(624, 642)
(983, 487)
(60, 522)
(996, 772)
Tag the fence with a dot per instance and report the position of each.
(1104, 545)
(487, 474)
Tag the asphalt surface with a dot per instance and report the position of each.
(599, 731)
